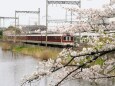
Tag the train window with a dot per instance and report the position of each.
(64, 38)
(72, 38)
(67, 38)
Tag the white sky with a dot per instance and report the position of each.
(8, 7)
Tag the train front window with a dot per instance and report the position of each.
(68, 38)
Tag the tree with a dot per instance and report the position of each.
(91, 62)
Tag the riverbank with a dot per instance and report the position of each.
(38, 52)
(91, 68)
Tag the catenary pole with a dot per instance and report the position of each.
(46, 20)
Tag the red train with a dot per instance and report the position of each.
(52, 39)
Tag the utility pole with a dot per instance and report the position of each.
(27, 12)
(15, 19)
(3, 24)
(66, 15)
(110, 2)
(0, 23)
(71, 16)
(15, 28)
(18, 22)
(38, 16)
(80, 22)
(57, 2)
(46, 20)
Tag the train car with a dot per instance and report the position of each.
(84, 37)
(52, 39)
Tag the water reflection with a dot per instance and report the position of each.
(13, 67)
(105, 82)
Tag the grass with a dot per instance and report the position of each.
(6, 46)
(38, 52)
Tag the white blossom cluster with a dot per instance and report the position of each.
(87, 73)
(34, 76)
(65, 52)
(109, 65)
(104, 43)
(90, 73)
(88, 20)
(42, 70)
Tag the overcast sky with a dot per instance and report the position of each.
(8, 7)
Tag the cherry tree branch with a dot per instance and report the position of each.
(79, 55)
(84, 64)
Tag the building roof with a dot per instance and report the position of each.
(33, 28)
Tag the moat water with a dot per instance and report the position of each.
(14, 66)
